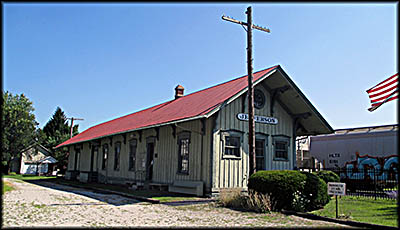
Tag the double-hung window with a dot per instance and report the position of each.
(281, 147)
(232, 142)
(183, 152)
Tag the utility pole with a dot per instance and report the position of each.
(250, 26)
(72, 123)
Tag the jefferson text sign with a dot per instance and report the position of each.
(258, 119)
(337, 189)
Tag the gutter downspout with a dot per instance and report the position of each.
(203, 131)
(294, 152)
(212, 142)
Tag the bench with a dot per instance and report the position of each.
(158, 186)
(187, 187)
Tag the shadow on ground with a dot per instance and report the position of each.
(101, 196)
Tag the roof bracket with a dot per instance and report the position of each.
(124, 136)
(173, 126)
(243, 102)
(302, 115)
(140, 135)
(110, 140)
(203, 126)
(275, 94)
(157, 132)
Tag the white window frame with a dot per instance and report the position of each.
(184, 135)
(281, 138)
(235, 134)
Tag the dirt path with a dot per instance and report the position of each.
(57, 205)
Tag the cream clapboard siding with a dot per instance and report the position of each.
(166, 148)
(229, 173)
(71, 158)
(84, 158)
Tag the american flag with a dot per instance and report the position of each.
(383, 92)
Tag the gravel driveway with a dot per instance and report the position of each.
(51, 204)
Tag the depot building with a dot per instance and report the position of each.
(198, 143)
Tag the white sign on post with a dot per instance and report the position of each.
(337, 189)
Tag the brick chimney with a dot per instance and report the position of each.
(179, 91)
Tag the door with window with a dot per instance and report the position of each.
(260, 154)
(150, 160)
(93, 157)
(261, 151)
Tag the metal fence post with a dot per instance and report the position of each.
(375, 182)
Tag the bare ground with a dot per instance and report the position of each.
(48, 204)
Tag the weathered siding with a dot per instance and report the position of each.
(84, 158)
(230, 172)
(165, 167)
(71, 158)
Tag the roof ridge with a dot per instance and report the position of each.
(235, 79)
(170, 101)
(112, 126)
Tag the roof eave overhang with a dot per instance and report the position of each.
(132, 130)
(307, 103)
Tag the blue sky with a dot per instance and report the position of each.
(102, 61)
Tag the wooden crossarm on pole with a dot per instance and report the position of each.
(252, 137)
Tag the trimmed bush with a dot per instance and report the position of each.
(327, 176)
(280, 185)
(315, 193)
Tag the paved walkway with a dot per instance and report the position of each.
(51, 204)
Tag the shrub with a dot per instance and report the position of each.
(258, 202)
(280, 185)
(327, 176)
(315, 193)
(231, 198)
(254, 201)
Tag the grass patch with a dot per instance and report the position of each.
(363, 209)
(28, 177)
(163, 199)
(7, 187)
(38, 205)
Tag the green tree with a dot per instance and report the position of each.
(56, 131)
(18, 126)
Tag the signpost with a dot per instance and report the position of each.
(336, 189)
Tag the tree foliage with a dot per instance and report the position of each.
(56, 131)
(18, 125)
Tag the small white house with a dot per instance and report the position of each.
(36, 159)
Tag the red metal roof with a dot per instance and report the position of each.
(192, 105)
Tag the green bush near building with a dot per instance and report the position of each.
(281, 186)
(328, 176)
(315, 192)
(290, 190)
